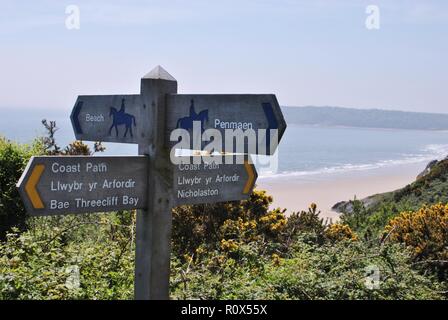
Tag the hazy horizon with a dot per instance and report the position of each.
(306, 52)
(361, 108)
(64, 111)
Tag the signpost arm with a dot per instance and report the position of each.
(153, 238)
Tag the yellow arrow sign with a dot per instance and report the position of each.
(251, 177)
(30, 186)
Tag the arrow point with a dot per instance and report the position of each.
(30, 186)
(159, 73)
(75, 117)
(252, 176)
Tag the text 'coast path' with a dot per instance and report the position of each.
(78, 184)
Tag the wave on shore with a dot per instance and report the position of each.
(428, 153)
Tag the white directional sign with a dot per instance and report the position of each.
(258, 112)
(79, 184)
(212, 182)
(113, 118)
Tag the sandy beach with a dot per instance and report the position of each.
(297, 192)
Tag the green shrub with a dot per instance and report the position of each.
(303, 223)
(39, 263)
(13, 159)
(331, 271)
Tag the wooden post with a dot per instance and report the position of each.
(153, 238)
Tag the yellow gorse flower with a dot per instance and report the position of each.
(338, 232)
(229, 245)
(425, 231)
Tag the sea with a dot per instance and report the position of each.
(313, 152)
(305, 152)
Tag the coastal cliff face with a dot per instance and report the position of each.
(428, 168)
(430, 187)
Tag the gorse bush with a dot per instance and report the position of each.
(339, 232)
(233, 224)
(240, 221)
(426, 232)
(313, 271)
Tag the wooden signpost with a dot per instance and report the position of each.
(150, 182)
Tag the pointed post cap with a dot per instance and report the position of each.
(159, 73)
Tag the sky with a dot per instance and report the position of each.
(306, 52)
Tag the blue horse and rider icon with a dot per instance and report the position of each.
(120, 117)
(187, 122)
